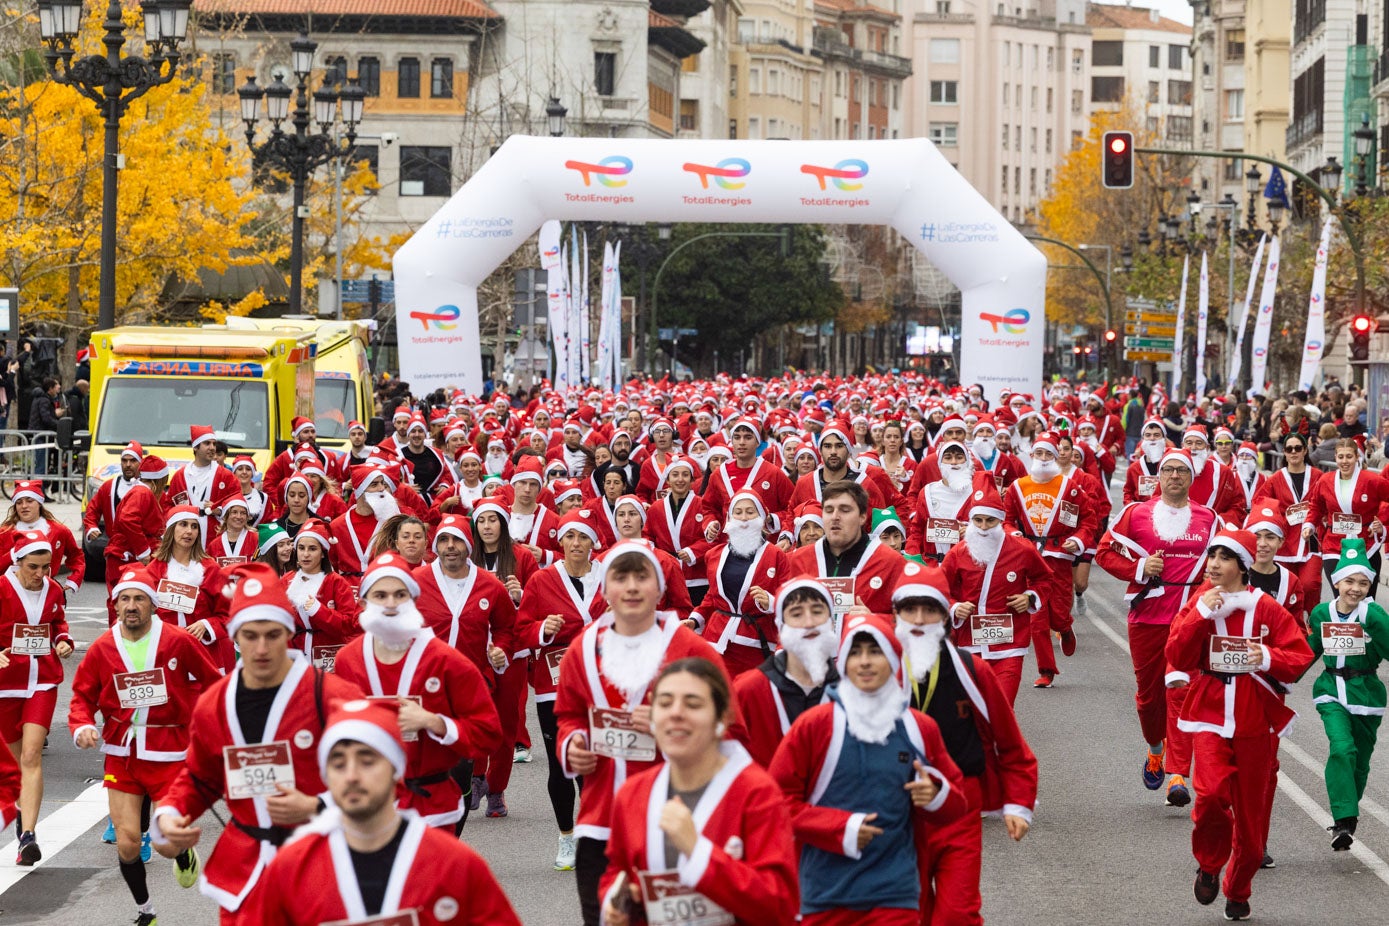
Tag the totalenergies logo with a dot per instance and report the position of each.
(1313, 347)
(726, 173)
(444, 318)
(551, 253)
(840, 174)
(1014, 321)
(605, 171)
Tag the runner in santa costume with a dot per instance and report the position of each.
(1096, 492)
(324, 602)
(556, 606)
(1214, 485)
(629, 519)
(847, 550)
(996, 580)
(100, 513)
(365, 861)
(190, 585)
(942, 507)
(1158, 548)
(1003, 466)
(836, 455)
(259, 507)
(953, 429)
(138, 526)
(661, 454)
(1227, 640)
(532, 523)
(866, 778)
(793, 679)
(430, 469)
(261, 720)
(236, 542)
(446, 712)
(1350, 634)
(675, 524)
(34, 630)
(353, 532)
(708, 826)
(746, 470)
(304, 434)
(1141, 481)
(958, 691)
(29, 514)
(1290, 490)
(1049, 507)
(143, 676)
(1247, 472)
(1349, 502)
(202, 482)
(603, 705)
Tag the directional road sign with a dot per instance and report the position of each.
(1153, 344)
(1146, 329)
(1155, 356)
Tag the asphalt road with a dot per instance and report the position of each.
(1102, 848)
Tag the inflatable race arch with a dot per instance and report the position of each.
(906, 184)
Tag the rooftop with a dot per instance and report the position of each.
(446, 9)
(1108, 16)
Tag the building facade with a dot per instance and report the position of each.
(1141, 61)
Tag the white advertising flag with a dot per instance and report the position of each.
(1236, 357)
(615, 309)
(584, 316)
(1203, 311)
(1177, 364)
(1314, 344)
(1263, 324)
(577, 336)
(605, 367)
(551, 261)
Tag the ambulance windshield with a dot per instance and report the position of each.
(158, 412)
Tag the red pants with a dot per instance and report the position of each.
(878, 916)
(523, 733)
(953, 861)
(1176, 759)
(1008, 673)
(1147, 649)
(509, 710)
(113, 575)
(37, 708)
(1272, 787)
(1230, 811)
(133, 775)
(1309, 574)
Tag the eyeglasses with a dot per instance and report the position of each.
(1174, 471)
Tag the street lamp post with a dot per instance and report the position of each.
(301, 152)
(112, 82)
(554, 117)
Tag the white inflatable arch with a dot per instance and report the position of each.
(906, 184)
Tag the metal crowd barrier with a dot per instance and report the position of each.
(64, 470)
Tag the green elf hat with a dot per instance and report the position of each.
(1353, 560)
(269, 535)
(885, 518)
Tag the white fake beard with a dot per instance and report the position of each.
(495, 463)
(1236, 601)
(983, 545)
(630, 663)
(395, 631)
(744, 537)
(1247, 468)
(1153, 449)
(815, 652)
(1199, 458)
(701, 458)
(920, 646)
(1044, 470)
(1091, 441)
(873, 715)
(984, 447)
(957, 475)
(383, 505)
(1171, 523)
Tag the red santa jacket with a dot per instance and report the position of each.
(1097, 497)
(582, 686)
(1132, 538)
(1279, 489)
(441, 880)
(305, 700)
(327, 505)
(282, 467)
(67, 552)
(209, 605)
(162, 733)
(765, 721)
(1254, 708)
(766, 479)
(1288, 595)
(138, 527)
(222, 487)
(100, 513)
(925, 511)
(552, 592)
(447, 684)
(1066, 515)
(730, 619)
(229, 553)
(1217, 487)
(809, 488)
(745, 858)
(27, 674)
(329, 621)
(1141, 480)
(1367, 501)
(480, 614)
(1006, 468)
(683, 532)
(1018, 569)
(875, 577)
(599, 512)
(543, 534)
(350, 536)
(650, 477)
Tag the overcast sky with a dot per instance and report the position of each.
(1180, 10)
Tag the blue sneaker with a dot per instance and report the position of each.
(109, 837)
(1153, 775)
(146, 850)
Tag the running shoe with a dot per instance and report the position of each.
(1177, 793)
(1342, 836)
(146, 850)
(564, 860)
(1044, 680)
(1153, 775)
(522, 756)
(1268, 861)
(146, 919)
(1068, 643)
(1237, 909)
(496, 805)
(187, 877)
(1079, 606)
(29, 851)
(109, 837)
(478, 792)
(1207, 888)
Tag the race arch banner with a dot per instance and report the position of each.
(906, 184)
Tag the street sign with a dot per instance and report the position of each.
(1153, 356)
(359, 291)
(1137, 318)
(670, 334)
(1152, 330)
(1153, 344)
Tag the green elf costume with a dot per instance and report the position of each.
(886, 519)
(1348, 693)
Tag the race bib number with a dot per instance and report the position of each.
(1069, 514)
(31, 640)
(612, 733)
(942, 530)
(135, 690)
(552, 661)
(226, 562)
(670, 903)
(1297, 514)
(1346, 525)
(413, 735)
(1343, 639)
(987, 629)
(177, 597)
(1231, 656)
(257, 770)
(406, 918)
(325, 657)
(841, 596)
(1147, 486)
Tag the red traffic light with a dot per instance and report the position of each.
(1362, 324)
(1118, 144)
(1117, 158)
(1111, 335)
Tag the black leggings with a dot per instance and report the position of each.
(1329, 566)
(562, 790)
(590, 864)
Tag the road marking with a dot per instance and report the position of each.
(1303, 758)
(60, 829)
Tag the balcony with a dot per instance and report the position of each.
(891, 65)
(1381, 75)
(1304, 129)
(829, 44)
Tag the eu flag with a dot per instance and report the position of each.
(1276, 190)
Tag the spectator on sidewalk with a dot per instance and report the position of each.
(44, 413)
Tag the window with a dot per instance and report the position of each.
(1175, 60)
(896, 97)
(1179, 93)
(755, 81)
(1005, 94)
(335, 74)
(368, 155)
(1179, 128)
(605, 72)
(1154, 91)
(1234, 45)
(1048, 148)
(773, 82)
(224, 73)
(1077, 139)
(945, 51)
(1017, 179)
(754, 127)
(426, 171)
(942, 7)
(408, 78)
(689, 115)
(747, 30)
(1005, 181)
(945, 133)
(1077, 60)
(1007, 50)
(1107, 54)
(1151, 125)
(1032, 182)
(1033, 95)
(1050, 95)
(690, 65)
(369, 75)
(733, 85)
(1233, 170)
(1017, 137)
(1077, 101)
(441, 78)
(1154, 56)
(1032, 139)
(1048, 180)
(1234, 104)
(1105, 90)
(1051, 59)
(732, 128)
(1005, 136)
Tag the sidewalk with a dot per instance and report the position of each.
(69, 514)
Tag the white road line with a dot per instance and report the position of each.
(59, 830)
(1290, 788)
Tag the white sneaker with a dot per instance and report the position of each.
(564, 860)
(1079, 606)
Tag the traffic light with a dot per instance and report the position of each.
(1117, 155)
(1111, 336)
(1361, 327)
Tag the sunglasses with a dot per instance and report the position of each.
(1292, 448)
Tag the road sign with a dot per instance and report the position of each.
(1147, 329)
(1151, 315)
(359, 291)
(670, 334)
(1149, 356)
(1149, 344)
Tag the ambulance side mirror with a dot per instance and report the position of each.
(376, 431)
(64, 438)
(81, 441)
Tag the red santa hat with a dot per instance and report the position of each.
(1239, 542)
(494, 504)
(662, 423)
(986, 500)
(371, 722)
(29, 488)
(454, 525)
(363, 475)
(839, 429)
(634, 502)
(953, 421)
(1196, 431)
(27, 542)
(298, 425)
(133, 449)
(565, 488)
(181, 513)
(355, 425)
(985, 422)
(258, 596)
(876, 626)
(793, 585)
(402, 413)
(1046, 441)
(1265, 517)
(1248, 448)
(581, 520)
(316, 529)
(923, 582)
(416, 423)
(1178, 455)
(301, 478)
(1223, 433)
(749, 424)
(467, 452)
(529, 468)
(810, 512)
(623, 547)
(389, 565)
(751, 496)
(677, 462)
(199, 433)
(135, 577)
(235, 501)
(153, 468)
(438, 415)
(1155, 422)
(243, 461)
